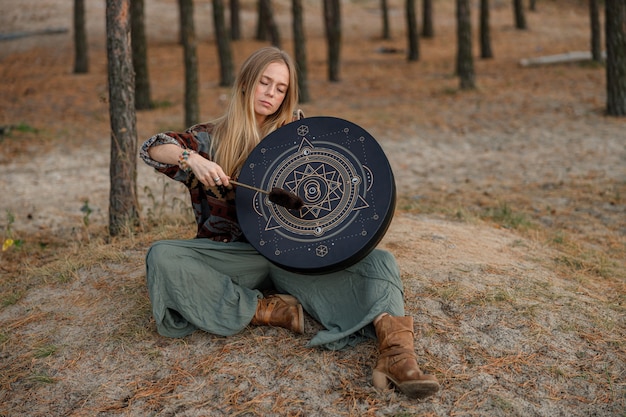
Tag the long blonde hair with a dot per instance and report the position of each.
(236, 133)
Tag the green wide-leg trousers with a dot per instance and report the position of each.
(214, 286)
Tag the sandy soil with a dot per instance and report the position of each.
(522, 321)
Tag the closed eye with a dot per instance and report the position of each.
(281, 88)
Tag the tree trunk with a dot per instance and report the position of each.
(520, 18)
(123, 202)
(428, 29)
(384, 7)
(271, 25)
(465, 61)
(81, 58)
(596, 41)
(299, 41)
(615, 35)
(412, 31)
(261, 29)
(235, 26)
(332, 24)
(227, 72)
(192, 103)
(485, 33)
(140, 55)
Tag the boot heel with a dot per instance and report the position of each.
(380, 380)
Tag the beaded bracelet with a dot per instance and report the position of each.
(183, 160)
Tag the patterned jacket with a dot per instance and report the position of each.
(213, 207)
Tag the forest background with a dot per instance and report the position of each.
(509, 232)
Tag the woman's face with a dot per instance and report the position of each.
(271, 90)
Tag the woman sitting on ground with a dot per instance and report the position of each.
(217, 281)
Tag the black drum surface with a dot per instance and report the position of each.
(347, 185)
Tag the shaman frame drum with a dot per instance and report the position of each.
(347, 185)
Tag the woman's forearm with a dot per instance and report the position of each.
(167, 153)
(208, 172)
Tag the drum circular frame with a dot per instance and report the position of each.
(347, 185)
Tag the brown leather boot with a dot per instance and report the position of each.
(280, 310)
(397, 361)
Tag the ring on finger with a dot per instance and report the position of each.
(217, 179)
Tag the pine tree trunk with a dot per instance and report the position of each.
(123, 202)
(271, 25)
(261, 30)
(140, 55)
(227, 72)
(465, 61)
(485, 33)
(615, 28)
(596, 41)
(428, 29)
(81, 57)
(190, 60)
(520, 18)
(235, 26)
(299, 40)
(332, 24)
(384, 8)
(412, 31)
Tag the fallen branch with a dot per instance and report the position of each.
(16, 35)
(568, 57)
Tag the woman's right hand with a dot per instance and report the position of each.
(208, 172)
